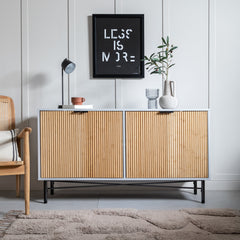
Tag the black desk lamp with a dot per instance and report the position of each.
(67, 67)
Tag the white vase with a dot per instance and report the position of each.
(168, 100)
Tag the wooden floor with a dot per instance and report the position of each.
(120, 197)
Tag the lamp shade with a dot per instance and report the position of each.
(68, 66)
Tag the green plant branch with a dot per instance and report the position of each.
(160, 62)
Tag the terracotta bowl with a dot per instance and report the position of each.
(77, 100)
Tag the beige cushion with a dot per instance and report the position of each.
(8, 146)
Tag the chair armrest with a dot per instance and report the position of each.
(22, 133)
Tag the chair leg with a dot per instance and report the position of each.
(27, 173)
(18, 184)
(27, 192)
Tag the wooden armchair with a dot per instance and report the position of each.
(18, 168)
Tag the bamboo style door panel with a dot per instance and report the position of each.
(167, 145)
(81, 144)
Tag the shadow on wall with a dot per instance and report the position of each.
(12, 83)
(39, 81)
(35, 184)
(45, 91)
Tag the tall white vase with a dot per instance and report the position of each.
(169, 100)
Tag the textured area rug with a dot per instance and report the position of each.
(126, 224)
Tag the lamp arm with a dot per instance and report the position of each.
(62, 89)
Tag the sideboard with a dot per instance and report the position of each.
(123, 146)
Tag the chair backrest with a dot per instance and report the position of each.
(7, 113)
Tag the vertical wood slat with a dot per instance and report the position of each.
(167, 145)
(81, 145)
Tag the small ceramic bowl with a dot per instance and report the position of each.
(77, 100)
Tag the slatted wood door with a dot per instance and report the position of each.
(81, 144)
(167, 145)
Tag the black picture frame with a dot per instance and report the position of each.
(118, 45)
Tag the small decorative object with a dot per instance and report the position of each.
(118, 45)
(67, 67)
(77, 100)
(77, 103)
(168, 100)
(152, 95)
(160, 63)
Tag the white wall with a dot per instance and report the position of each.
(224, 93)
(37, 35)
(10, 60)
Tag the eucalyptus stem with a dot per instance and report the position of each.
(160, 62)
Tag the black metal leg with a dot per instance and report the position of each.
(45, 191)
(203, 191)
(195, 187)
(52, 187)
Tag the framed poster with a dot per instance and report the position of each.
(118, 45)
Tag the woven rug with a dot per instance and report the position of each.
(124, 224)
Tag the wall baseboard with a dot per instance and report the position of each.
(223, 185)
(220, 185)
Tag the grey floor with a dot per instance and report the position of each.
(120, 197)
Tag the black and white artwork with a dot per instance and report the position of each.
(118, 45)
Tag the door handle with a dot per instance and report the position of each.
(79, 111)
(165, 112)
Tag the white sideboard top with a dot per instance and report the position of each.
(127, 110)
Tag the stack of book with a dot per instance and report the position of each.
(77, 106)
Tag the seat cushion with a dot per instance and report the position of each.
(8, 146)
